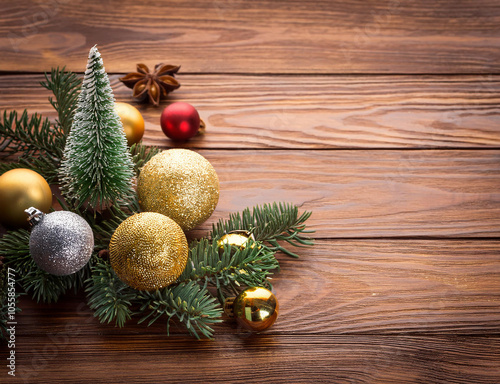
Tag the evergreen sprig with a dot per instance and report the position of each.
(109, 297)
(270, 224)
(36, 143)
(141, 154)
(189, 302)
(32, 140)
(65, 86)
(228, 268)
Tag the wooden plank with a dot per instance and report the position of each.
(313, 112)
(260, 359)
(383, 36)
(390, 287)
(352, 194)
(432, 193)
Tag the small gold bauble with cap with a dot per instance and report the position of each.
(148, 251)
(255, 308)
(237, 239)
(20, 189)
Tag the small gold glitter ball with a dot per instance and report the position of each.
(148, 251)
(180, 184)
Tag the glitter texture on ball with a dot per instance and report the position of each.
(180, 184)
(61, 243)
(148, 251)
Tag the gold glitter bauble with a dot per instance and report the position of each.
(20, 189)
(255, 308)
(148, 251)
(180, 184)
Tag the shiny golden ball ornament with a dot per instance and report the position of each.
(255, 308)
(148, 251)
(180, 184)
(236, 239)
(21, 189)
(132, 121)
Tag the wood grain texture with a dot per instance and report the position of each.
(71, 358)
(299, 112)
(383, 287)
(352, 36)
(380, 116)
(432, 193)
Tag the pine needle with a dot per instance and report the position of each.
(108, 296)
(269, 224)
(31, 140)
(190, 303)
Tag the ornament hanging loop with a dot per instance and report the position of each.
(35, 215)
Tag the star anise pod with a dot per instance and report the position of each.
(152, 86)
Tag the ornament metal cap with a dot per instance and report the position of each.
(34, 215)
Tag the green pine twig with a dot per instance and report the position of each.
(269, 224)
(31, 140)
(109, 297)
(229, 268)
(65, 87)
(141, 154)
(189, 302)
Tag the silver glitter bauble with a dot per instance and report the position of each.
(61, 243)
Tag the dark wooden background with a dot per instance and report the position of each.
(380, 116)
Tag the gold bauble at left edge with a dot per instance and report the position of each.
(20, 189)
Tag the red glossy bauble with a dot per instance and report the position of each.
(180, 121)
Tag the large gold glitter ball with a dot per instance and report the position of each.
(255, 308)
(20, 189)
(148, 251)
(180, 184)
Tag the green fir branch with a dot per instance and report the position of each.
(4, 167)
(230, 267)
(43, 286)
(31, 140)
(109, 297)
(14, 247)
(269, 224)
(190, 303)
(65, 86)
(25, 135)
(105, 227)
(141, 154)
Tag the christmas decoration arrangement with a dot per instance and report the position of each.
(123, 209)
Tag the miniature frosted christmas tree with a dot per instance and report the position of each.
(97, 168)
